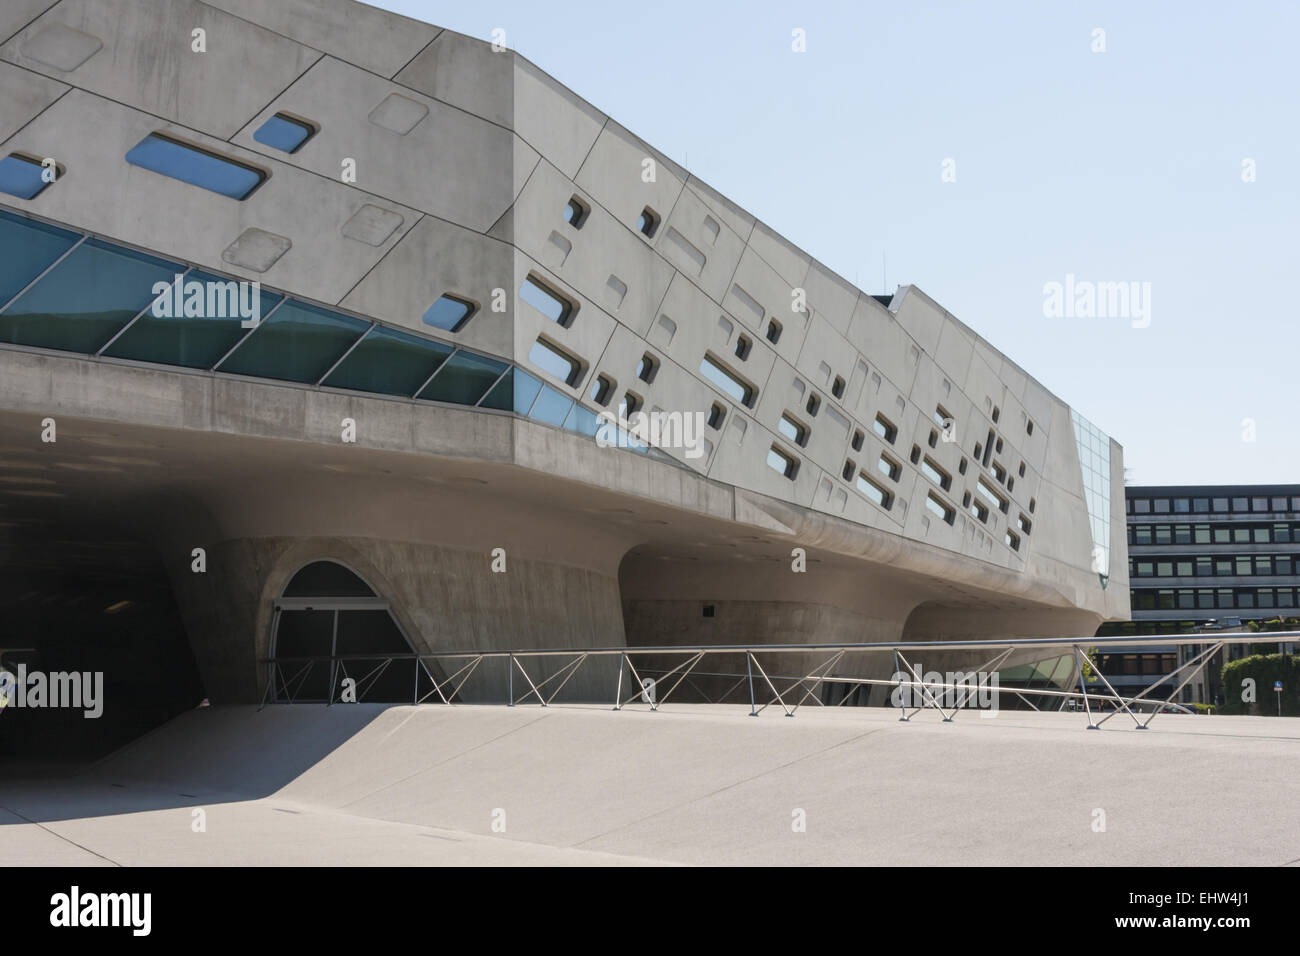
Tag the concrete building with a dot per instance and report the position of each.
(1205, 557)
(462, 264)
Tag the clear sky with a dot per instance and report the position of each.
(1117, 166)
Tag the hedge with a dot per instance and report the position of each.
(1265, 669)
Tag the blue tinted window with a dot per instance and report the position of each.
(552, 407)
(21, 177)
(195, 166)
(448, 313)
(515, 392)
(725, 380)
(390, 362)
(86, 298)
(297, 344)
(583, 421)
(464, 379)
(502, 395)
(550, 359)
(281, 132)
(195, 325)
(551, 304)
(27, 248)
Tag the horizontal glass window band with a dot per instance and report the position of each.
(463, 380)
(300, 343)
(198, 167)
(210, 323)
(28, 248)
(389, 362)
(86, 299)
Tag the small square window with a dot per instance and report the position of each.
(285, 133)
(848, 470)
(886, 429)
(631, 403)
(647, 222)
(773, 331)
(996, 412)
(857, 440)
(716, 414)
(889, 468)
(575, 212)
(933, 440)
(743, 346)
(1022, 469)
(1029, 426)
(961, 467)
(814, 403)
(647, 368)
(710, 610)
(837, 387)
(602, 390)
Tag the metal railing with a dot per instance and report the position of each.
(287, 676)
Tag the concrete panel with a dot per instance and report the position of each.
(613, 174)
(16, 14)
(883, 342)
(790, 263)
(602, 248)
(449, 164)
(148, 62)
(375, 39)
(25, 95)
(553, 120)
(699, 245)
(467, 73)
(724, 210)
(437, 258)
(834, 297)
(105, 194)
(584, 339)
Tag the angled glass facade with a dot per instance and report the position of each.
(1094, 462)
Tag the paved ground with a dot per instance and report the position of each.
(691, 784)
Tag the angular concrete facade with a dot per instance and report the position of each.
(937, 489)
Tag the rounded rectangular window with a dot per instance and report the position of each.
(555, 362)
(22, 176)
(575, 212)
(783, 464)
(792, 429)
(198, 167)
(874, 491)
(547, 301)
(937, 507)
(285, 133)
(449, 313)
(728, 381)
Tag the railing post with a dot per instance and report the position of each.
(510, 686)
(749, 666)
(902, 698)
(618, 691)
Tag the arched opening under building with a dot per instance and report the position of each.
(334, 639)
